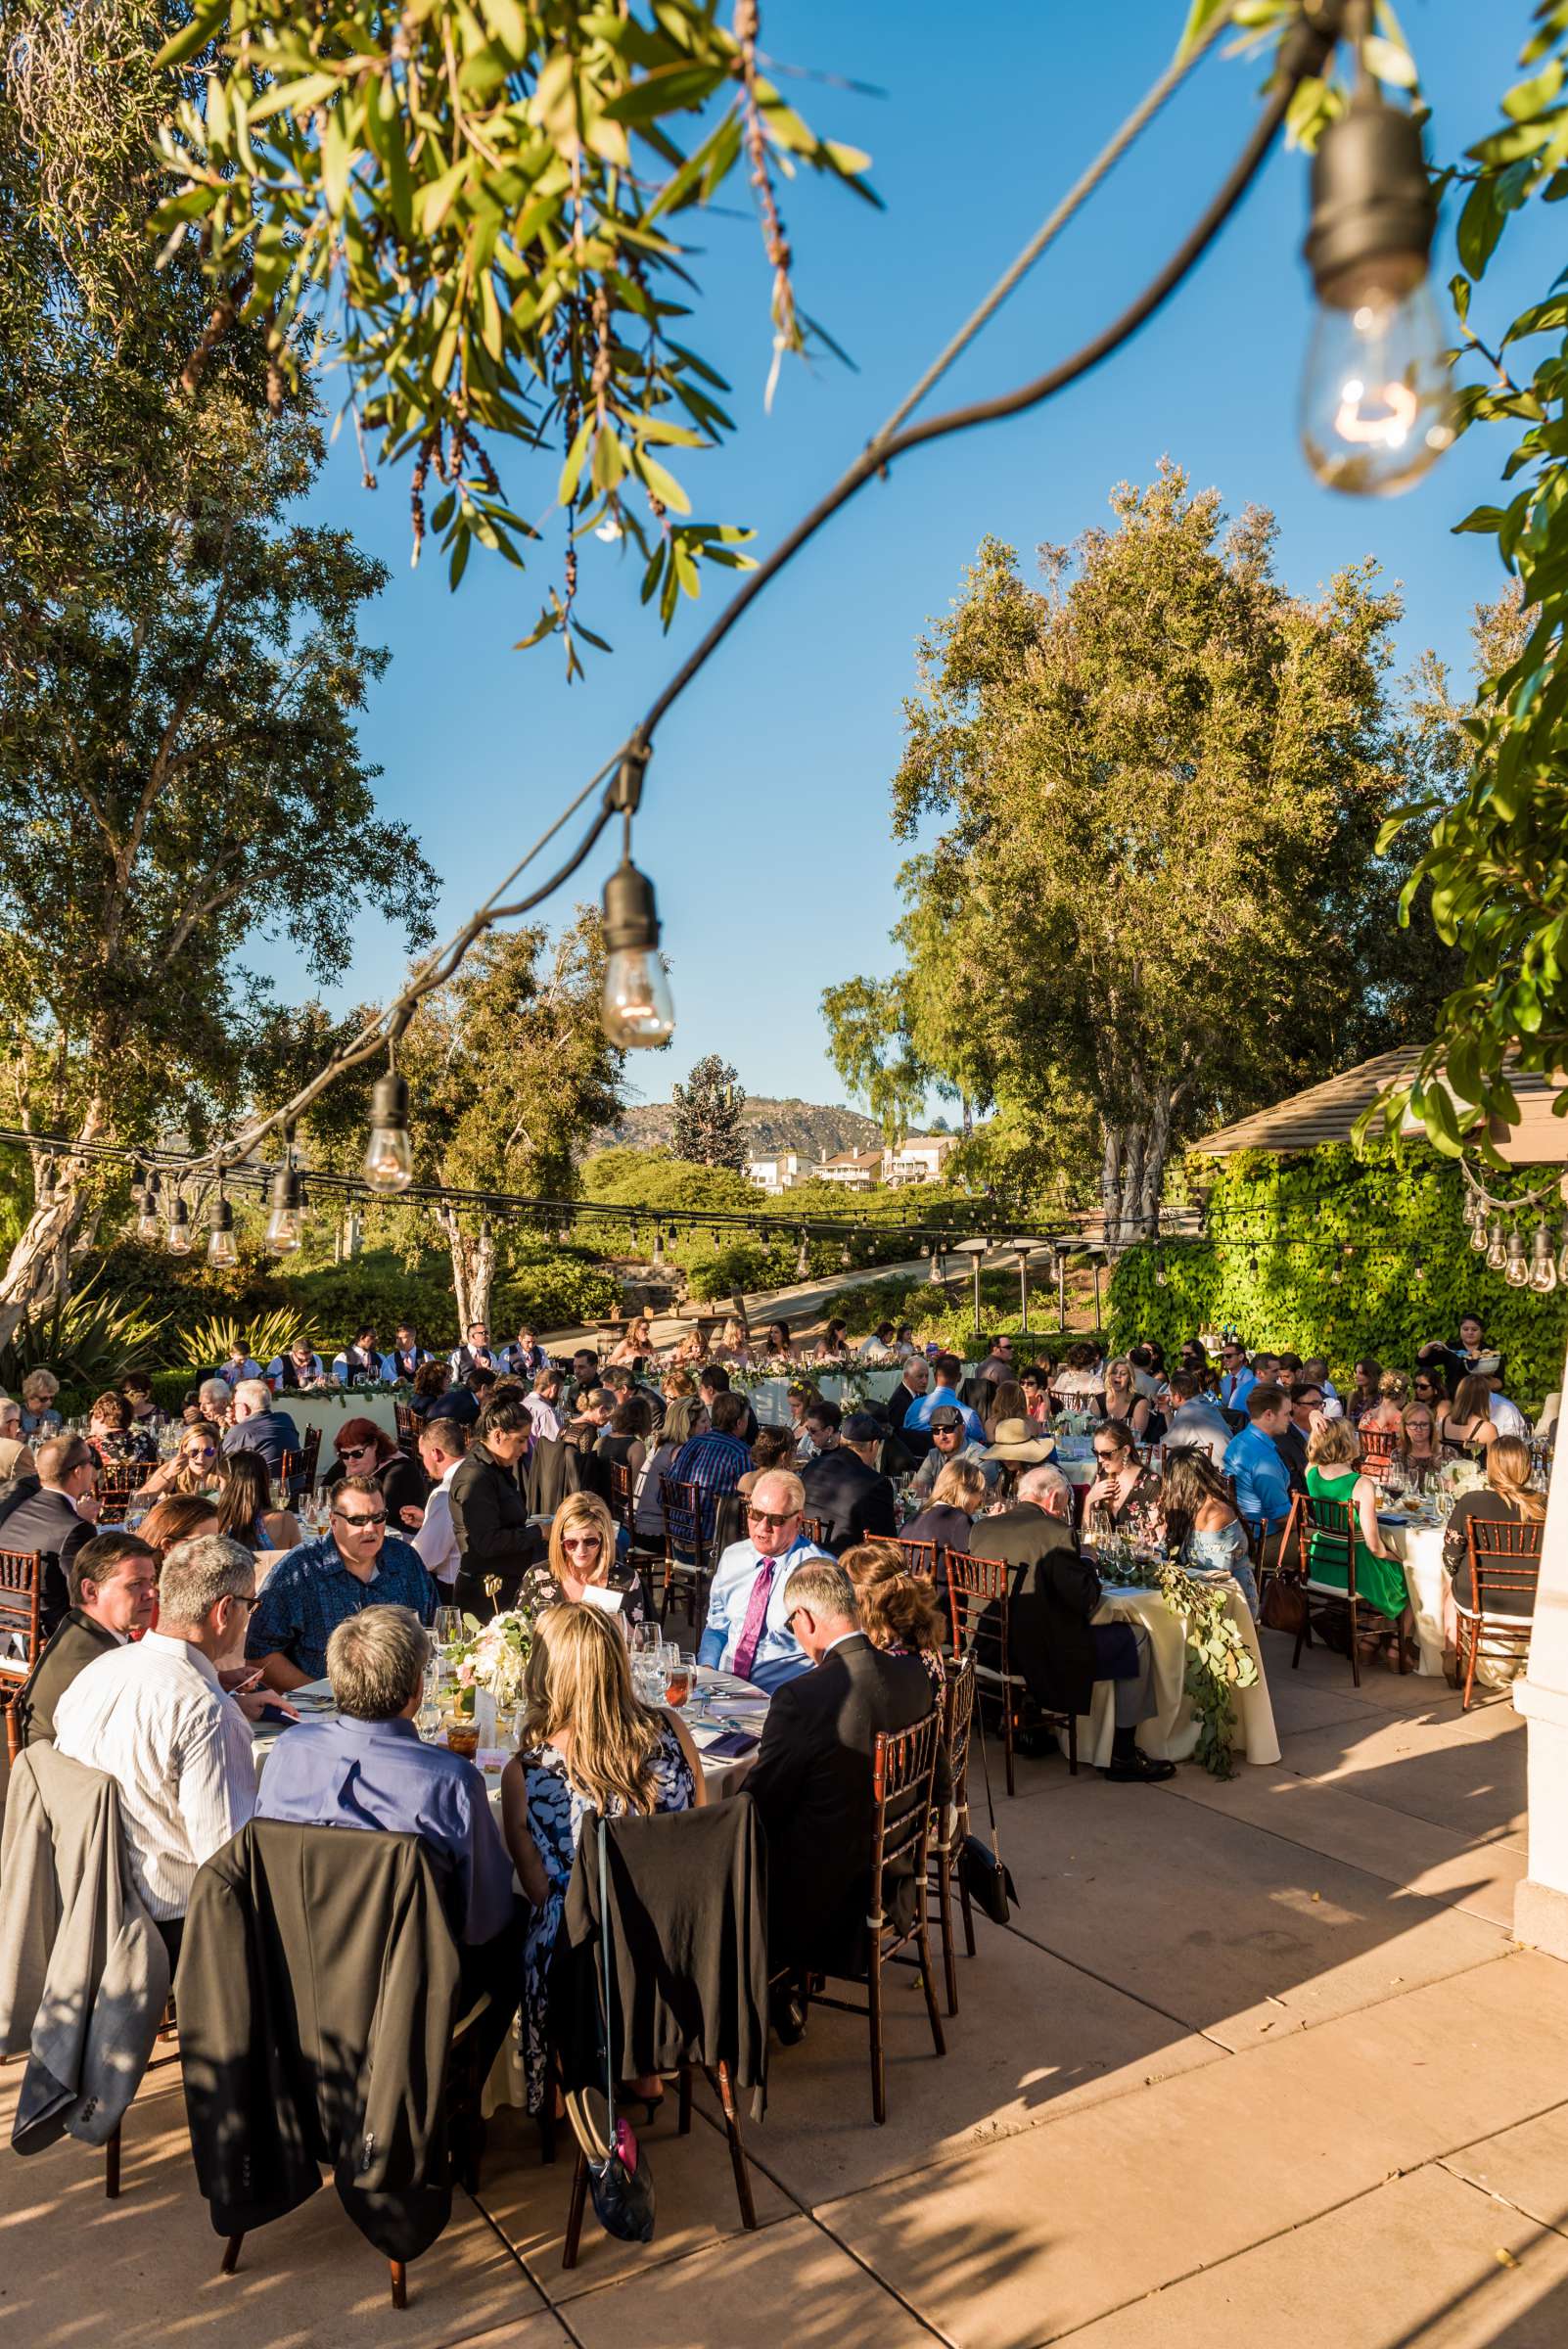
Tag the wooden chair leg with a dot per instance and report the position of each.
(737, 2148)
(1007, 1739)
(1072, 1745)
(683, 2102)
(967, 1908)
(231, 2255)
(1473, 1632)
(400, 2283)
(578, 2203)
(878, 2093)
(944, 1910)
(111, 2167)
(1355, 1644)
(927, 1984)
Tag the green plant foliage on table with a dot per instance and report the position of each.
(1327, 1253)
(1219, 1661)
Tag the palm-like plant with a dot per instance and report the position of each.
(92, 1337)
(211, 1342)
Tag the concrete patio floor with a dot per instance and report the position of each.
(1257, 2060)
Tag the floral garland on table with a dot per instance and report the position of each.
(808, 1371)
(1219, 1661)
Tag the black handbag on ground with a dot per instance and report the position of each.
(982, 1871)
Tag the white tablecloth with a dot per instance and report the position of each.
(1419, 1551)
(1173, 1731)
(771, 1396)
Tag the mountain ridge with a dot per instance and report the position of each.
(816, 1129)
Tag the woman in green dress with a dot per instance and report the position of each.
(1333, 1473)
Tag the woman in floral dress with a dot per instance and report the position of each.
(588, 1744)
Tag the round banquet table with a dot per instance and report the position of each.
(1171, 1732)
(1419, 1551)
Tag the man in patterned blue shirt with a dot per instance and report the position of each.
(321, 1584)
(716, 1461)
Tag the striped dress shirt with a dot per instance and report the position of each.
(154, 1717)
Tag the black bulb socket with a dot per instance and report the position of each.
(630, 914)
(1372, 211)
(389, 1102)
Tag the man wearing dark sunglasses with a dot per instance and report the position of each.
(322, 1583)
(746, 1632)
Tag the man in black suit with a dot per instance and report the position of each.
(811, 1781)
(1053, 1644)
(55, 1517)
(842, 1485)
(112, 1581)
(1306, 1410)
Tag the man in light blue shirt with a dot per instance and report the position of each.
(1238, 1379)
(1257, 1465)
(747, 1631)
(945, 1371)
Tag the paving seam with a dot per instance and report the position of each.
(1461, 1846)
(1139, 2089)
(514, 2254)
(1492, 2193)
(1210, 2267)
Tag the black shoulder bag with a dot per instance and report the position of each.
(982, 1871)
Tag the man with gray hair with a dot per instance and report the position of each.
(811, 1781)
(746, 1631)
(156, 1718)
(259, 1427)
(370, 1768)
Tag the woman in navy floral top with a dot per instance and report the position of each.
(588, 1745)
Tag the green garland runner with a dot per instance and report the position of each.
(1219, 1664)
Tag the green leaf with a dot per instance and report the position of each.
(1526, 99)
(1480, 227)
(672, 89)
(663, 483)
(202, 28)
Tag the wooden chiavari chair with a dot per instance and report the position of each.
(978, 1596)
(688, 1558)
(20, 1631)
(902, 1776)
(1505, 1565)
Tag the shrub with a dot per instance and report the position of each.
(1319, 1253)
(96, 1334)
(263, 1338)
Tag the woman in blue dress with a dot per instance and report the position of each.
(588, 1744)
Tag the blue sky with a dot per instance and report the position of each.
(766, 817)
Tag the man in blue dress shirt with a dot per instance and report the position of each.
(321, 1584)
(1237, 1378)
(944, 1395)
(369, 1769)
(747, 1631)
(1258, 1466)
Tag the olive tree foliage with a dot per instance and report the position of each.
(1154, 891)
(509, 1074)
(181, 663)
(482, 203)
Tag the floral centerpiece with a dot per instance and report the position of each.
(493, 1656)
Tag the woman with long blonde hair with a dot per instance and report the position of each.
(583, 1555)
(193, 1467)
(1508, 1497)
(1123, 1400)
(588, 1745)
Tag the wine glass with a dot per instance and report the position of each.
(448, 1626)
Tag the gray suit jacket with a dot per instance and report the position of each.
(83, 1969)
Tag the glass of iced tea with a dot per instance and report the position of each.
(462, 1735)
(680, 1678)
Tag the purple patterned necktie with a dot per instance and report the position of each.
(750, 1640)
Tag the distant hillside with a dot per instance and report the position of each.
(816, 1130)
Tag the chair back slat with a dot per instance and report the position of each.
(903, 1770)
(958, 1720)
(117, 1480)
(313, 1455)
(1505, 1564)
(817, 1530)
(622, 1493)
(686, 1543)
(920, 1556)
(20, 1612)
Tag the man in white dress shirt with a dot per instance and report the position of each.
(156, 1718)
(441, 1446)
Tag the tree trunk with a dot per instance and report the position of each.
(473, 1255)
(1133, 1173)
(39, 1267)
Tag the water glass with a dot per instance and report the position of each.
(448, 1626)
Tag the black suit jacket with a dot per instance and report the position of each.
(1292, 1449)
(812, 1782)
(852, 1499)
(1053, 1595)
(490, 1519)
(76, 1643)
(44, 1520)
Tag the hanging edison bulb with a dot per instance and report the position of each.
(1479, 1234)
(803, 1261)
(148, 1220)
(1516, 1265)
(389, 1162)
(284, 1222)
(636, 1009)
(177, 1239)
(1542, 1262)
(1496, 1245)
(1562, 1253)
(221, 1248)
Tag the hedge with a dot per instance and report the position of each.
(1327, 1253)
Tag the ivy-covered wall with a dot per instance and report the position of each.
(1327, 1253)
